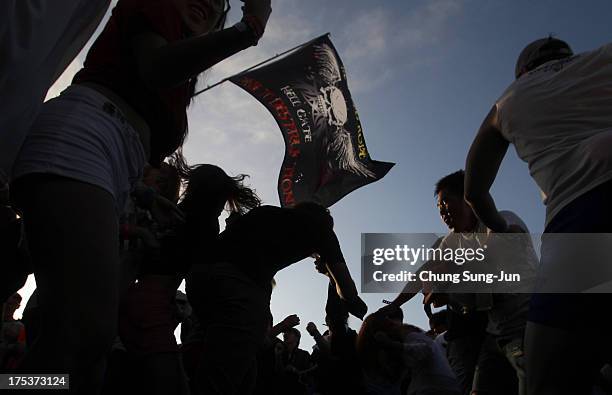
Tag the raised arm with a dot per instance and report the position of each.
(330, 261)
(286, 324)
(162, 64)
(483, 161)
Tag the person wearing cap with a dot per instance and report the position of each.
(557, 115)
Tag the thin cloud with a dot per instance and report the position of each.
(378, 36)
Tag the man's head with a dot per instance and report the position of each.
(539, 52)
(337, 322)
(11, 305)
(454, 211)
(438, 322)
(291, 338)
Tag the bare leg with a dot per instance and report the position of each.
(73, 237)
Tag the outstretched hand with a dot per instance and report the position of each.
(312, 329)
(291, 321)
(320, 265)
(257, 12)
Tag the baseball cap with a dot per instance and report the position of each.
(539, 52)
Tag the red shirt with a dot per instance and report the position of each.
(110, 62)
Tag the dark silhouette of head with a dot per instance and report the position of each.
(374, 359)
(454, 210)
(291, 338)
(11, 305)
(317, 212)
(539, 52)
(209, 190)
(438, 322)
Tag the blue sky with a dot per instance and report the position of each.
(423, 75)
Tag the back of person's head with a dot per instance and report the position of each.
(397, 315)
(539, 52)
(14, 299)
(316, 212)
(452, 183)
(12, 304)
(292, 337)
(439, 321)
(368, 349)
(337, 321)
(210, 189)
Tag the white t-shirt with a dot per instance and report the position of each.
(559, 119)
(514, 253)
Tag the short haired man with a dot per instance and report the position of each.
(506, 312)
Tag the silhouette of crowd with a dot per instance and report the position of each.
(98, 202)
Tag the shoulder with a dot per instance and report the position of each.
(513, 219)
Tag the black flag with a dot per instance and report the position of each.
(325, 151)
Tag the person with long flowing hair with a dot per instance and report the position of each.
(87, 148)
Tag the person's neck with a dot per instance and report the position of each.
(472, 227)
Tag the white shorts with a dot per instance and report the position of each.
(38, 40)
(82, 135)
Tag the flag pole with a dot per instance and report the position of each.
(258, 64)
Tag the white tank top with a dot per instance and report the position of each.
(559, 118)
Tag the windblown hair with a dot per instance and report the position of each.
(208, 183)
